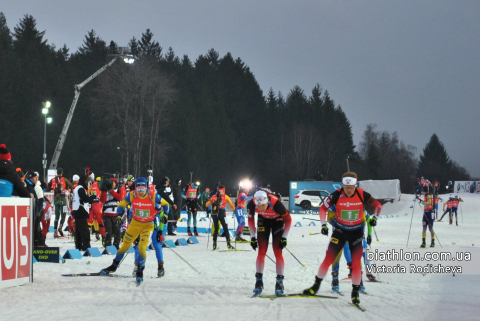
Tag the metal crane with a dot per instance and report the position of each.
(63, 135)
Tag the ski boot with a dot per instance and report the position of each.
(433, 243)
(139, 278)
(135, 268)
(97, 236)
(103, 241)
(112, 268)
(239, 238)
(349, 264)
(229, 246)
(451, 220)
(457, 223)
(314, 288)
(335, 284)
(195, 231)
(423, 244)
(279, 285)
(258, 284)
(55, 234)
(161, 270)
(355, 294)
(371, 277)
(214, 245)
(189, 231)
(60, 230)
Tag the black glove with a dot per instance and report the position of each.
(164, 219)
(373, 221)
(254, 243)
(283, 243)
(369, 240)
(324, 229)
(160, 238)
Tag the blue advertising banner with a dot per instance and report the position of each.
(307, 197)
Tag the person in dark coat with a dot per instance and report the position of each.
(80, 206)
(10, 182)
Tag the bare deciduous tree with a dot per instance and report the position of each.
(134, 101)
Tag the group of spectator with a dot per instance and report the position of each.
(15, 183)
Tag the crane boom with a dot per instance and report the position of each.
(63, 135)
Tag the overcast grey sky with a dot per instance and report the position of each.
(409, 66)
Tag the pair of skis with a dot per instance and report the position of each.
(301, 295)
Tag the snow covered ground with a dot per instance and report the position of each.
(223, 288)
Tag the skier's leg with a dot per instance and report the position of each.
(337, 241)
(142, 245)
(240, 220)
(224, 225)
(263, 235)
(277, 232)
(355, 243)
(194, 219)
(157, 246)
(133, 231)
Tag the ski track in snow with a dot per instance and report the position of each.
(224, 288)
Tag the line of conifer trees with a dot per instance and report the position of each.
(207, 116)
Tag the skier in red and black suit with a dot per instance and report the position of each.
(349, 202)
(273, 218)
(97, 207)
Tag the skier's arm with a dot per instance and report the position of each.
(123, 204)
(229, 201)
(251, 218)
(377, 207)
(184, 191)
(208, 203)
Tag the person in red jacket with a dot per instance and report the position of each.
(110, 200)
(95, 212)
(274, 219)
(349, 204)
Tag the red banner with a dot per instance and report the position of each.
(15, 241)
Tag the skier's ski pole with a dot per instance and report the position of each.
(375, 233)
(123, 258)
(208, 237)
(461, 212)
(414, 203)
(184, 260)
(270, 259)
(294, 257)
(311, 219)
(315, 233)
(432, 231)
(374, 261)
(234, 228)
